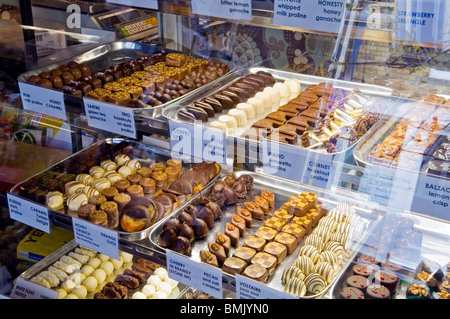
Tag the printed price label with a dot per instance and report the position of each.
(432, 197)
(320, 15)
(229, 9)
(110, 118)
(421, 20)
(24, 289)
(96, 237)
(194, 274)
(188, 141)
(149, 4)
(297, 164)
(247, 288)
(29, 213)
(41, 100)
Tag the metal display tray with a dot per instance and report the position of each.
(115, 53)
(361, 152)
(283, 190)
(145, 154)
(433, 248)
(47, 261)
(380, 92)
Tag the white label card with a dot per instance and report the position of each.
(24, 289)
(229, 9)
(148, 4)
(247, 288)
(195, 274)
(29, 213)
(110, 118)
(96, 237)
(320, 15)
(41, 100)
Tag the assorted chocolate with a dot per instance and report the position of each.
(324, 250)
(148, 81)
(431, 281)
(410, 142)
(109, 186)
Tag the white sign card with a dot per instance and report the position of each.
(148, 4)
(24, 289)
(201, 276)
(319, 15)
(42, 100)
(96, 237)
(228, 9)
(247, 288)
(29, 213)
(110, 118)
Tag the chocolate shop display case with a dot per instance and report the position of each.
(320, 177)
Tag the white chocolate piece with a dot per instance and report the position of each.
(81, 258)
(153, 280)
(67, 268)
(85, 179)
(69, 260)
(248, 109)
(283, 91)
(124, 171)
(87, 270)
(71, 296)
(161, 272)
(100, 275)
(68, 285)
(239, 116)
(127, 257)
(275, 95)
(74, 201)
(61, 293)
(133, 165)
(85, 251)
(164, 286)
(294, 87)
(80, 291)
(112, 176)
(218, 125)
(90, 283)
(55, 200)
(257, 104)
(173, 283)
(95, 262)
(117, 262)
(96, 172)
(121, 159)
(108, 165)
(230, 122)
(108, 267)
(101, 183)
(138, 295)
(267, 99)
(90, 191)
(50, 277)
(62, 275)
(149, 290)
(73, 187)
(103, 257)
(77, 277)
(41, 281)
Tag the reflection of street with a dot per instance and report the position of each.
(320, 49)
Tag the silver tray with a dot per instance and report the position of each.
(46, 262)
(380, 92)
(113, 53)
(434, 247)
(282, 189)
(145, 154)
